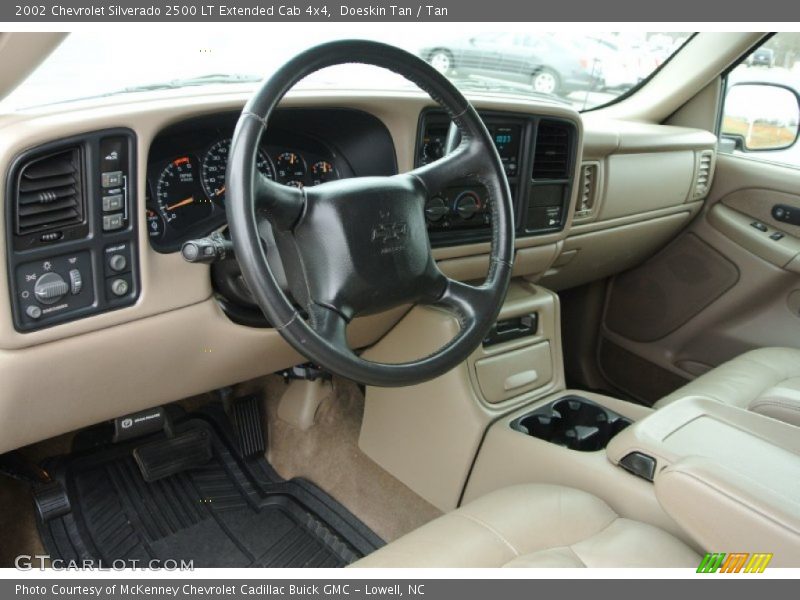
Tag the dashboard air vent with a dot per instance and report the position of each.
(703, 179)
(552, 155)
(49, 192)
(587, 195)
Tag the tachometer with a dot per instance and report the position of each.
(323, 171)
(215, 164)
(178, 196)
(290, 167)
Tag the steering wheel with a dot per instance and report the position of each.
(359, 246)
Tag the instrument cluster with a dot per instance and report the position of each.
(186, 178)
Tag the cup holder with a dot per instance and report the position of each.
(573, 422)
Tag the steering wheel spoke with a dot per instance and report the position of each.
(330, 325)
(468, 303)
(280, 204)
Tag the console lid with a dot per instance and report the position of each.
(729, 477)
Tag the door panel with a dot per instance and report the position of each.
(722, 288)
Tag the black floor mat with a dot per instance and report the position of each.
(226, 513)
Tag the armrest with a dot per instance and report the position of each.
(723, 510)
(696, 426)
(729, 477)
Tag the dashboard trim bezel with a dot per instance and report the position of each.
(521, 184)
(94, 240)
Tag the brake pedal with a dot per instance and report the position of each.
(166, 457)
(246, 416)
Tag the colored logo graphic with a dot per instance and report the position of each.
(735, 562)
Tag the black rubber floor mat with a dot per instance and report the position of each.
(226, 513)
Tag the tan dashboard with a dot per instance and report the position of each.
(634, 187)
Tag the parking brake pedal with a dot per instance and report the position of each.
(166, 457)
(51, 500)
(246, 416)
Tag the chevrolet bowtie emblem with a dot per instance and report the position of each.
(387, 232)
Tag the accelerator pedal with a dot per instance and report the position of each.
(246, 415)
(165, 457)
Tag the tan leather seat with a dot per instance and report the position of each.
(534, 525)
(766, 381)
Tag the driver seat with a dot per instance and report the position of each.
(534, 525)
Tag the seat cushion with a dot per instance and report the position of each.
(766, 381)
(534, 525)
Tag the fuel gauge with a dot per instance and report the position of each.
(290, 167)
(323, 171)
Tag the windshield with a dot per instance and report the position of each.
(584, 70)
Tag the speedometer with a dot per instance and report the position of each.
(215, 164)
(178, 196)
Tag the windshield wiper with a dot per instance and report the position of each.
(173, 84)
(209, 79)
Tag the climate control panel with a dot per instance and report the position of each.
(458, 208)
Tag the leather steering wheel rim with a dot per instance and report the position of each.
(324, 232)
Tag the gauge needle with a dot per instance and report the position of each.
(220, 191)
(188, 200)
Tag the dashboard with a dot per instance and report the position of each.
(141, 313)
(73, 237)
(185, 196)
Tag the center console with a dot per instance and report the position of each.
(716, 476)
(729, 477)
(539, 157)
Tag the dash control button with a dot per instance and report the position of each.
(112, 222)
(117, 262)
(112, 203)
(111, 179)
(34, 312)
(75, 282)
(119, 287)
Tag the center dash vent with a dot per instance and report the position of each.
(49, 192)
(702, 181)
(552, 155)
(587, 193)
